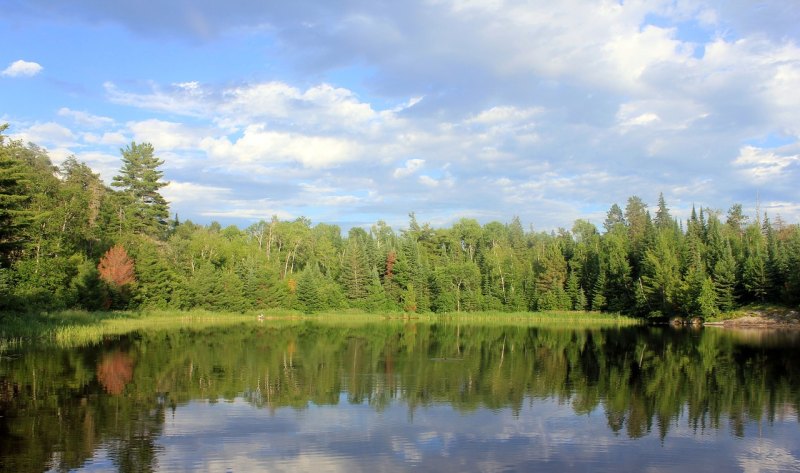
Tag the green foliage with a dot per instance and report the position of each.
(57, 222)
(14, 197)
(143, 208)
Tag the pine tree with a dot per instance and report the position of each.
(613, 217)
(14, 217)
(145, 210)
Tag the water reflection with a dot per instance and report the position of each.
(390, 396)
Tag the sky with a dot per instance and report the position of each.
(355, 111)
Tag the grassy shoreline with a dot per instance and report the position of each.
(73, 328)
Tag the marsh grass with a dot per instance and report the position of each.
(80, 328)
(566, 319)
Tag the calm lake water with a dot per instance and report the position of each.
(406, 397)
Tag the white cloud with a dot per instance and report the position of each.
(764, 455)
(49, 134)
(258, 145)
(176, 99)
(166, 135)
(22, 68)
(541, 102)
(106, 164)
(179, 192)
(763, 165)
(411, 166)
(503, 115)
(85, 118)
(107, 138)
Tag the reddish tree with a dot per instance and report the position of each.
(391, 259)
(116, 268)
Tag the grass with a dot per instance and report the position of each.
(79, 328)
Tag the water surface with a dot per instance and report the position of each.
(405, 396)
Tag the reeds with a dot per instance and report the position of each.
(80, 328)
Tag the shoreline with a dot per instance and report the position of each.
(783, 318)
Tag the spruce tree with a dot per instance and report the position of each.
(355, 274)
(724, 276)
(663, 220)
(755, 274)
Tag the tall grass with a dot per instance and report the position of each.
(79, 328)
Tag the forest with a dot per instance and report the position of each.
(68, 240)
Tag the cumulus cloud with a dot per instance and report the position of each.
(166, 135)
(22, 68)
(259, 145)
(448, 105)
(49, 134)
(410, 167)
(763, 165)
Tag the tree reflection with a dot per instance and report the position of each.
(115, 371)
(59, 407)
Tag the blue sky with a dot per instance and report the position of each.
(353, 111)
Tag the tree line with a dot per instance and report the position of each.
(67, 240)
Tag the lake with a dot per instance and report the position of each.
(405, 396)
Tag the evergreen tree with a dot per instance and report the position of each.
(14, 216)
(699, 296)
(575, 293)
(410, 299)
(724, 276)
(639, 225)
(308, 297)
(618, 286)
(355, 275)
(663, 220)
(755, 276)
(145, 210)
(792, 288)
(598, 293)
(661, 277)
(613, 217)
(376, 296)
(777, 262)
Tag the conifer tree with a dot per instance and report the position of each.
(598, 293)
(145, 210)
(663, 219)
(661, 275)
(613, 217)
(14, 217)
(355, 274)
(724, 276)
(755, 275)
(308, 297)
